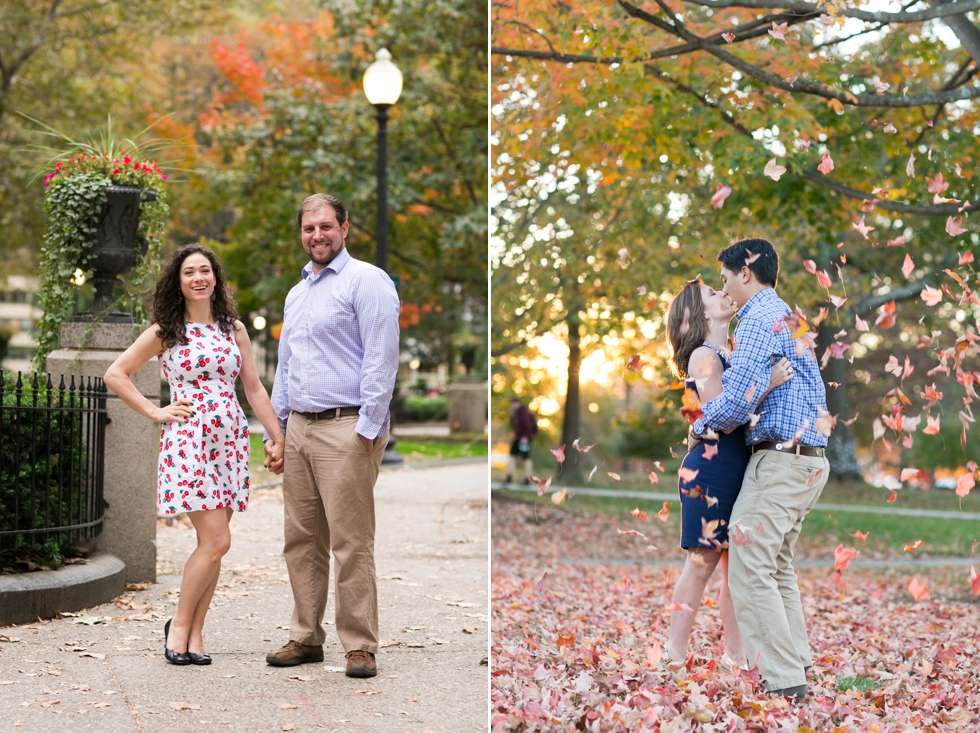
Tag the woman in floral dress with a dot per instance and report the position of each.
(204, 443)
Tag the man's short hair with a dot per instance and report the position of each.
(756, 254)
(318, 201)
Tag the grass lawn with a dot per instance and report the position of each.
(413, 449)
(823, 529)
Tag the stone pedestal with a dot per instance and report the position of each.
(132, 444)
(468, 405)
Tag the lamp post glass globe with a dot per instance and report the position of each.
(258, 323)
(382, 80)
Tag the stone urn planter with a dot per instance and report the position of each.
(114, 252)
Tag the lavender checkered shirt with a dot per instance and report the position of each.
(339, 344)
(788, 407)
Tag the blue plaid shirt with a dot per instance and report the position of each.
(339, 344)
(788, 407)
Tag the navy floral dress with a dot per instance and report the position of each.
(204, 461)
(718, 478)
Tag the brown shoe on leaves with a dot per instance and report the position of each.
(295, 653)
(361, 664)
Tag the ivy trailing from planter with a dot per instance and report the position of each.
(77, 176)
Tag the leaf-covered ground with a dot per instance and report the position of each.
(577, 608)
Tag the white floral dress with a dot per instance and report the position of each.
(204, 461)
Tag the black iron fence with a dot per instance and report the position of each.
(52, 455)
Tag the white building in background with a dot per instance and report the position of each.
(18, 313)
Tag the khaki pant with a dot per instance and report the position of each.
(778, 491)
(328, 492)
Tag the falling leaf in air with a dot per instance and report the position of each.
(543, 484)
(862, 228)
(931, 296)
(860, 325)
(729, 37)
(842, 557)
(723, 192)
(687, 475)
(778, 30)
(937, 185)
(890, 128)
(654, 479)
(964, 484)
(592, 473)
(664, 512)
(774, 170)
(891, 499)
(558, 497)
(974, 581)
(966, 258)
(559, 454)
(753, 256)
(827, 164)
(639, 514)
(897, 242)
(910, 166)
(860, 535)
(932, 425)
(914, 546)
(710, 451)
(886, 319)
(918, 589)
(954, 226)
(633, 363)
(613, 475)
(582, 448)
(881, 86)
(823, 279)
(632, 532)
(691, 406)
(908, 267)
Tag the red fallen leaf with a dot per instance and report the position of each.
(632, 532)
(710, 451)
(639, 514)
(954, 226)
(774, 170)
(559, 454)
(654, 479)
(753, 256)
(860, 535)
(932, 425)
(823, 279)
(850, 422)
(543, 484)
(633, 363)
(837, 301)
(565, 639)
(692, 493)
(654, 653)
(967, 257)
(810, 266)
(964, 484)
(974, 581)
(691, 406)
(860, 325)
(614, 476)
(835, 385)
(729, 37)
(908, 267)
(664, 512)
(914, 546)
(931, 296)
(680, 607)
(862, 228)
(821, 316)
(540, 584)
(891, 499)
(673, 453)
(842, 557)
(723, 192)
(656, 465)
(826, 165)
(918, 589)
(931, 393)
(661, 420)
(897, 241)
(779, 30)
(737, 537)
(687, 475)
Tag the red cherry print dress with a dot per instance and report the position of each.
(204, 461)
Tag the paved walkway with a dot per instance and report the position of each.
(659, 496)
(103, 670)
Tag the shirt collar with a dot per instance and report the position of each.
(336, 265)
(763, 296)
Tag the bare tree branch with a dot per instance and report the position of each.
(941, 11)
(854, 193)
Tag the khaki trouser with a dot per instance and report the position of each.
(778, 491)
(328, 493)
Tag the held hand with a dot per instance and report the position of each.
(368, 443)
(782, 372)
(274, 454)
(178, 411)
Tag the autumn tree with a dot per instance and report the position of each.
(792, 96)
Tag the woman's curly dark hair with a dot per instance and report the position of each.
(168, 300)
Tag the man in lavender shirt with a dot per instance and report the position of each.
(338, 355)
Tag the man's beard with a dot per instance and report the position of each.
(325, 258)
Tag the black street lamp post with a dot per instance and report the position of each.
(382, 87)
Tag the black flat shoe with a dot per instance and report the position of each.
(178, 658)
(199, 658)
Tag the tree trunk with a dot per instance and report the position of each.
(841, 445)
(967, 33)
(571, 425)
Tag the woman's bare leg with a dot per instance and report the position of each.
(200, 574)
(689, 590)
(733, 637)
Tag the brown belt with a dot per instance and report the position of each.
(801, 450)
(332, 413)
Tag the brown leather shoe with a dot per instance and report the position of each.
(295, 653)
(361, 664)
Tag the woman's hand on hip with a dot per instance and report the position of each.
(178, 411)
